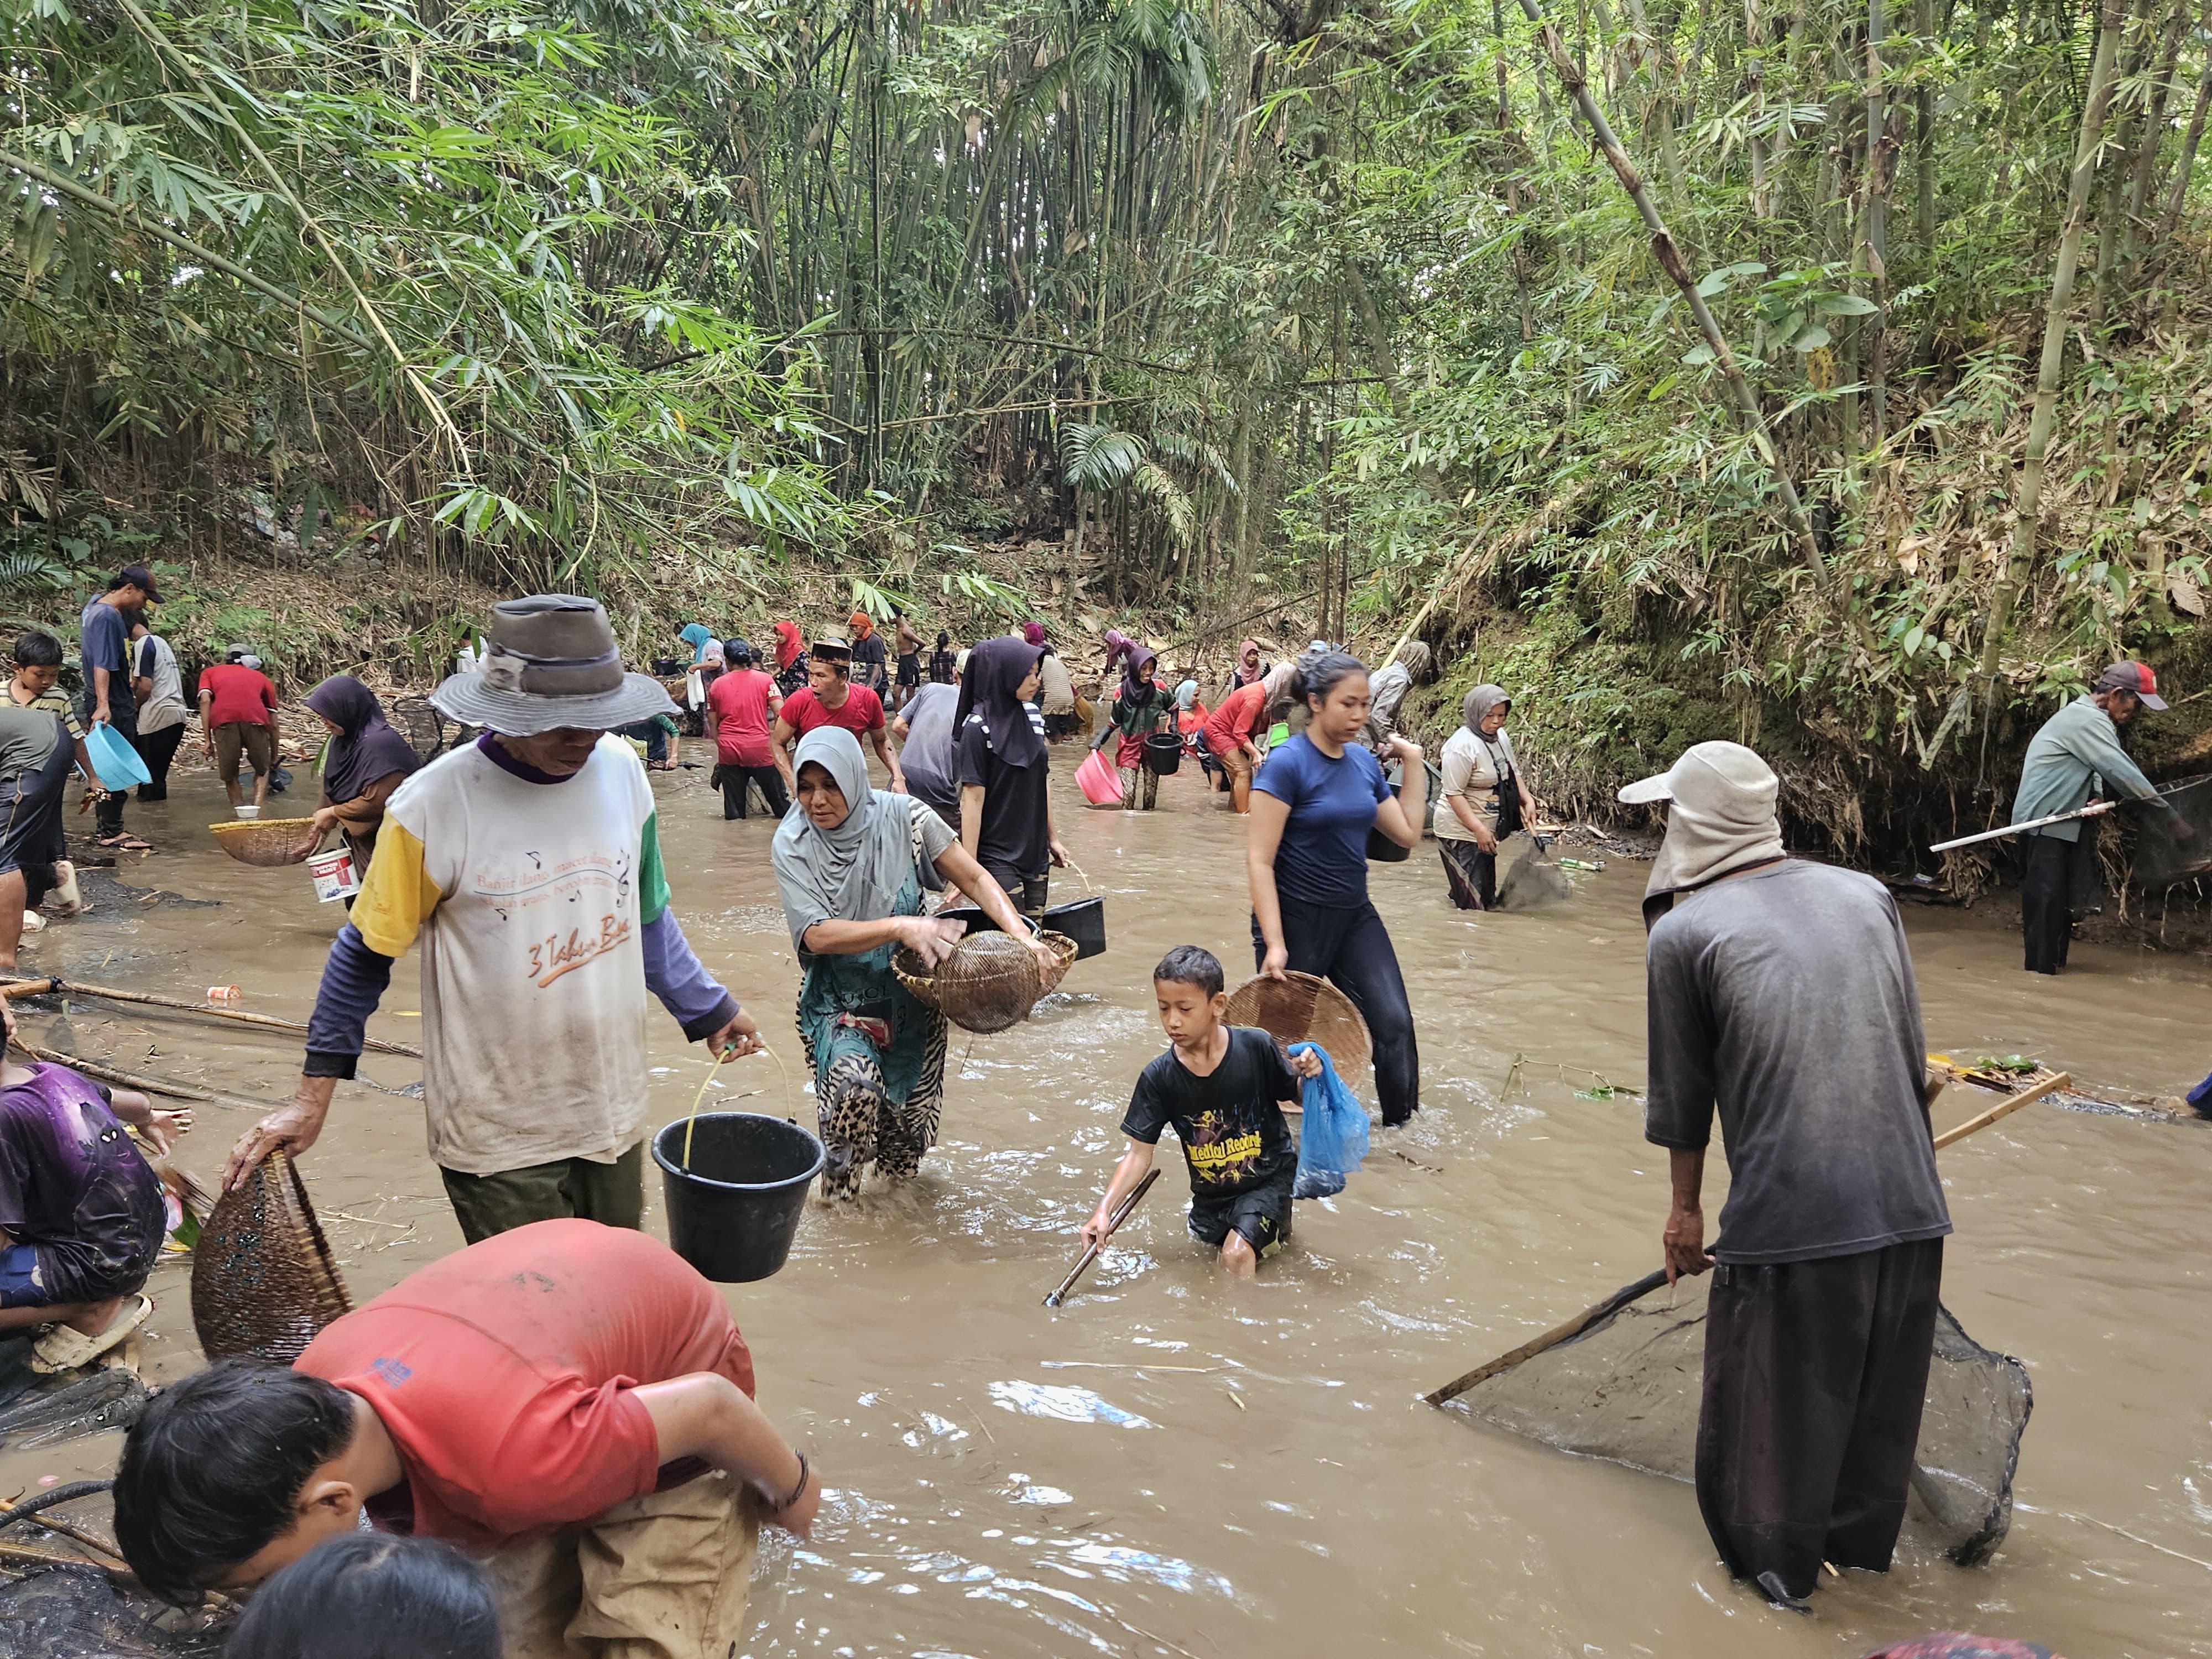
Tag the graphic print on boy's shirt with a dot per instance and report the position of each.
(1230, 1121)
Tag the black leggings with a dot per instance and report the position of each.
(1347, 946)
(734, 777)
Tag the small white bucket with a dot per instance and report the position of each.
(246, 813)
(334, 874)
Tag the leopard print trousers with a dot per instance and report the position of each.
(859, 1122)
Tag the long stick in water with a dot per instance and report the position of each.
(1113, 1225)
(32, 988)
(1652, 1281)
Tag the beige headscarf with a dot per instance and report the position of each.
(1722, 819)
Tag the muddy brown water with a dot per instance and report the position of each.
(1178, 1465)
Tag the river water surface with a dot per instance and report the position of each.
(1175, 1464)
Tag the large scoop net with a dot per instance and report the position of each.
(1627, 1389)
(2162, 856)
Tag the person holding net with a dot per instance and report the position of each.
(1781, 994)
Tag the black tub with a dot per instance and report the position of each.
(734, 1213)
(1082, 919)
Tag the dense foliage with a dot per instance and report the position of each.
(1338, 309)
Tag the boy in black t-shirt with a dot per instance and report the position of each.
(1222, 1087)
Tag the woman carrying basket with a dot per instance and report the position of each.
(1316, 798)
(365, 762)
(851, 865)
(1141, 707)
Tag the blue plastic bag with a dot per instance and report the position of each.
(2201, 1097)
(1333, 1139)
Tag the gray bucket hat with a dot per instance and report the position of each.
(551, 661)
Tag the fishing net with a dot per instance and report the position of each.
(1627, 1389)
(417, 720)
(2163, 857)
(989, 982)
(77, 1613)
(1300, 1008)
(264, 1280)
(1533, 881)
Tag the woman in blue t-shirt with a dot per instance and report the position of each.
(1313, 803)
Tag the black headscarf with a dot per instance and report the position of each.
(996, 669)
(366, 748)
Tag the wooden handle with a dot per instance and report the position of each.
(1551, 1339)
(1113, 1225)
(2027, 1096)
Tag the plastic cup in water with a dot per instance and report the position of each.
(248, 812)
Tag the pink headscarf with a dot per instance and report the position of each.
(1033, 632)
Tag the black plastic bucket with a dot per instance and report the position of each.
(1082, 919)
(1162, 753)
(734, 1213)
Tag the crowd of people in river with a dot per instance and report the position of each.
(592, 1438)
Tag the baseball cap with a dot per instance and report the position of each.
(2135, 676)
(1725, 779)
(138, 576)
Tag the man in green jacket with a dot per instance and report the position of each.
(2075, 756)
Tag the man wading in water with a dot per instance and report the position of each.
(2075, 755)
(1782, 993)
(530, 865)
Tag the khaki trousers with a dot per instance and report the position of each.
(662, 1577)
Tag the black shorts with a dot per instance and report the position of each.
(1263, 1215)
(909, 669)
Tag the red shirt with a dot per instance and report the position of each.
(1232, 723)
(243, 696)
(739, 700)
(862, 713)
(503, 1374)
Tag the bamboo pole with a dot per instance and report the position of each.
(2196, 137)
(152, 1086)
(1671, 260)
(27, 987)
(2050, 374)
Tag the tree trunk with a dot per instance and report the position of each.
(1923, 100)
(2172, 217)
(1671, 260)
(2050, 374)
(1877, 234)
(2154, 135)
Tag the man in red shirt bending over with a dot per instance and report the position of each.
(742, 704)
(830, 698)
(238, 712)
(570, 1400)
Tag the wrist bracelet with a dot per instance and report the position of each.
(797, 1491)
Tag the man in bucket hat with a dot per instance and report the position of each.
(2075, 756)
(529, 864)
(1781, 994)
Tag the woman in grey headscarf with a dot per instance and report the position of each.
(1486, 799)
(851, 865)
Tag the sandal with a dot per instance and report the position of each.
(126, 843)
(62, 1349)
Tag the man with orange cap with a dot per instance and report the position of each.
(869, 655)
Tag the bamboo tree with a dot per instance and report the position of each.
(2027, 504)
(1671, 260)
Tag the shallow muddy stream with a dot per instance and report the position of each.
(1177, 1465)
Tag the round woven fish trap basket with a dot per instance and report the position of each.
(1300, 1008)
(265, 842)
(989, 982)
(264, 1280)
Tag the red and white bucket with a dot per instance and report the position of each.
(334, 874)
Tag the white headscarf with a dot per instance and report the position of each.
(855, 872)
(1722, 817)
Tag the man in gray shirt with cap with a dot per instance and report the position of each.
(1781, 994)
(2078, 754)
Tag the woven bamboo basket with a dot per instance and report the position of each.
(264, 842)
(989, 982)
(1300, 1008)
(264, 1280)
